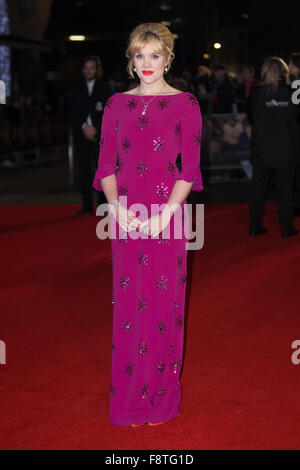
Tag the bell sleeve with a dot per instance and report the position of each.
(190, 142)
(107, 144)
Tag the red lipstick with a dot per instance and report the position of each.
(147, 72)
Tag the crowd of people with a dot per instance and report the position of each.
(217, 89)
(31, 121)
(221, 92)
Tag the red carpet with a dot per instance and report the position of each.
(240, 388)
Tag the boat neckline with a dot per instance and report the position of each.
(128, 94)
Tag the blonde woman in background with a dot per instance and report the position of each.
(274, 145)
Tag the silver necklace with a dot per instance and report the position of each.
(147, 104)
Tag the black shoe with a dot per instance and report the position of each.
(85, 210)
(296, 212)
(290, 233)
(260, 231)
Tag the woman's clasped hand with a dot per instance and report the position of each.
(152, 226)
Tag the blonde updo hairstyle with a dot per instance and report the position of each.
(146, 33)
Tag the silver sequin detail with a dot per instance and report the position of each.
(141, 167)
(144, 391)
(179, 321)
(158, 144)
(132, 104)
(142, 304)
(182, 279)
(179, 261)
(126, 144)
(161, 326)
(162, 282)
(161, 367)
(119, 167)
(142, 122)
(197, 138)
(163, 103)
(124, 282)
(171, 167)
(162, 191)
(123, 189)
(109, 102)
(142, 348)
(175, 366)
(129, 369)
(128, 325)
(143, 259)
(163, 241)
(192, 100)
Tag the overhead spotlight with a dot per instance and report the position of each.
(206, 56)
(165, 6)
(217, 45)
(77, 37)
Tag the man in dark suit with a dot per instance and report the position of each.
(222, 91)
(87, 101)
(244, 88)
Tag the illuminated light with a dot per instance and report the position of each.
(206, 56)
(77, 37)
(165, 7)
(245, 16)
(217, 45)
(175, 36)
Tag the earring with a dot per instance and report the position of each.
(134, 69)
(166, 68)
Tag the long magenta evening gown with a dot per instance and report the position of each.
(149, 275)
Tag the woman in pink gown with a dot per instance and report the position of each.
(140, 151)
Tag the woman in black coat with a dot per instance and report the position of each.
(274, 144)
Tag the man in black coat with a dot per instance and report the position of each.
(87, 101)
(222, 91)
(244, 88)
